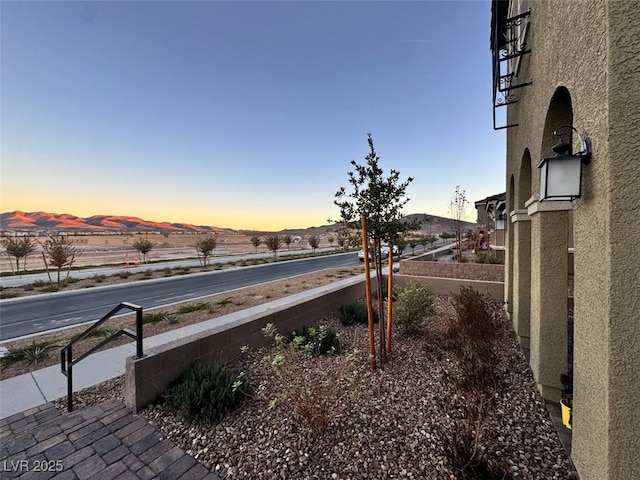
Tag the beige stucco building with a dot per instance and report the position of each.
(574, 67)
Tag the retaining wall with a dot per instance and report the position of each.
(471, 271)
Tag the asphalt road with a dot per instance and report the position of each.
(36, 314)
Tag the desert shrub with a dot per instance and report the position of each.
(157, 317)
(484, 257)
(193, 307)
(316, 340)
(415, 302)
(98, 278)
(4, 294)
(466, 449)
(493, 259)
(472, 336)
(353, 313)
(125, 274)
(205, 392)
(36, 352)
(316, 399)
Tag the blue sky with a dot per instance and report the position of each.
(242, 114)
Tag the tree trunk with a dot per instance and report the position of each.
(378, 261)
(367, 283)
(390, 299)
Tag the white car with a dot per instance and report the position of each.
(384, 252)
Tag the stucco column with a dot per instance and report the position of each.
(549, 244)
(521, 223)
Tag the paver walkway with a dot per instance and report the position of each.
(101, 442)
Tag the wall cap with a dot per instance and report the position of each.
(519, 215)
(551, 206)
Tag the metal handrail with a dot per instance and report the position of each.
(66, 354)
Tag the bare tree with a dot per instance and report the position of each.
(273, 243)
(60, 253)
(458, 205)
(256, 241)
(314, 242)
(205, 248)
(144, 246)
(19, 248)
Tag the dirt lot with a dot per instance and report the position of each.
(117, 249)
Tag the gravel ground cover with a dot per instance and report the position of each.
(409, 419)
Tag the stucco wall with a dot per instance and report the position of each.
(592, 49)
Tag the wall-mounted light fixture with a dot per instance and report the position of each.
(561, 175)
(500, 222)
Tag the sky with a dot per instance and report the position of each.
(242, 114)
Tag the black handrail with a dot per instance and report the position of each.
(66, 354)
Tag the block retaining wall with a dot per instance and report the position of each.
(470, 271)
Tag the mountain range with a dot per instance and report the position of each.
(39, 221)
(97, 223)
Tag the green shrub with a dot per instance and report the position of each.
(157, 317)
(193, 307)
(415, 303)
(4, 295)
(355, 312)
(205, 392)
(34, 353)
(484, 257)
(316, 340)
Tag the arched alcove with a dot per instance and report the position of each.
(550, 237)
(510, 243)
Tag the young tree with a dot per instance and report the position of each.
(287, 240)
(331, 239)
(144, 246)
(60, 253)
(19, 248)
(273, 243)
(413, 243)
(205, 248)
(256, 241)
(401, 243)
(314, 242)
(430, 239)
(379, 200)
(458, 205)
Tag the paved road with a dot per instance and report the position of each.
(36, 314)
(19, 280)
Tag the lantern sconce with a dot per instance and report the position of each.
(500, 222)
(561, 175)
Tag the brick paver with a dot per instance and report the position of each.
(103, 441)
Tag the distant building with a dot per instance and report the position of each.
(491, 223)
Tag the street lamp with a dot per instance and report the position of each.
(561, 175)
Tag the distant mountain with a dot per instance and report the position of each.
(436, 224)
(39, 221)
(25, 221)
